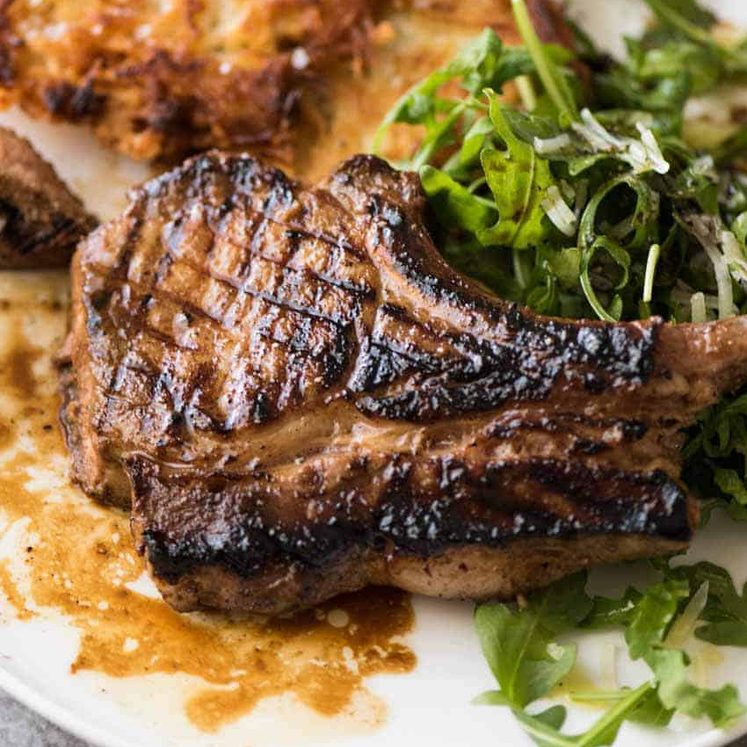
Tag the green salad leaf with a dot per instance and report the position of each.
(520, 644)
(544, 728)
(724, 617)
(678, 693)
(652, 616)
(519, 181)
(716, 455)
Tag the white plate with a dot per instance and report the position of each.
(431, 703)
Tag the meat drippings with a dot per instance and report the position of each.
(76, 558)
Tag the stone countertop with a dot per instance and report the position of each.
(21, 727)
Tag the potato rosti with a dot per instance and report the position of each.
(158, 79)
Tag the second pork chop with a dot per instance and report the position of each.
(299, 397)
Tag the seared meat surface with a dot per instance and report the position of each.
(41, 220)
(299, 397)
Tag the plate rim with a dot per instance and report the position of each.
(78, 726)
(74, 721)
(61, 716)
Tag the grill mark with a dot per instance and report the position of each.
(333, 360)
(241, 288)
(519, 371)
(464, 510)
(340, 283)
(631, 429)
(277, 184)
(364, 291)
(269, 298)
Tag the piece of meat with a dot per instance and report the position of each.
(41, 221)
(302, 81)
(299, 397)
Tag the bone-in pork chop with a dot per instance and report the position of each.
(299, 397)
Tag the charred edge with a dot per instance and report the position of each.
(525, 370)
(630, 430)
(75, 103)
(461, 509)
(485, 374)
(25, 238)
(481, 374)
(202, 173)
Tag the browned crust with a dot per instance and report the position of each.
(304, 82)
(476, 573)
(161, 86)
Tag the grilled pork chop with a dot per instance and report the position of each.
(299, 397)
(41, 220)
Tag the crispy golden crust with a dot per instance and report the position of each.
(161, 79)
(303, 81)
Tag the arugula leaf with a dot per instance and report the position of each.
(725, 612)
(675, 691)
(695, 68)
(544, 727)
(491, 697)
(518, 180)
(519, 644)
(646, 627)
(650, 619)
(517, 649)
(690, 21)
(454, 205)
(650, 711)
(554, 82)
(562, 605)
(607, 613)
(716, 454)
(484, 63)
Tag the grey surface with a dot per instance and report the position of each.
(20, 727)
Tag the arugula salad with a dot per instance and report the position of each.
(578, 185)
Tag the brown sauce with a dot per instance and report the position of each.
(84, 560)
(7, 434)
(17, 369)
(12, 594)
